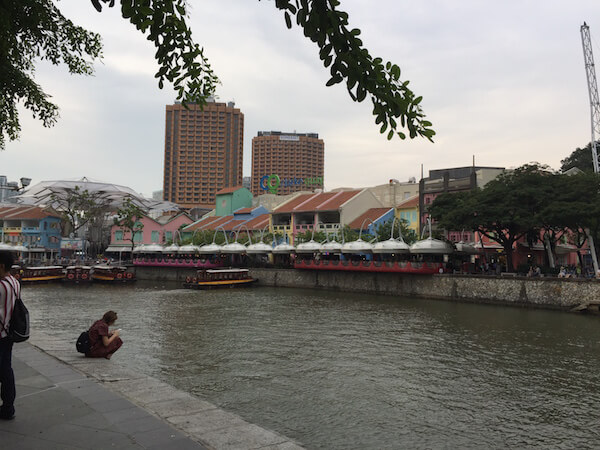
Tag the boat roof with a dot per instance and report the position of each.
(43, 267)
(105, 267)
(79, 267)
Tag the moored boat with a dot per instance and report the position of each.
(78, 275)
(42, 274)
(219, 278)
(112, 274)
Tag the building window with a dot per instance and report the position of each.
(118, 235)
(137, 237)
(155, 237)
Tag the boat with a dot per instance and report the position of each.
(41, 274)
(219, 278)
(112, 274)
(78, 275)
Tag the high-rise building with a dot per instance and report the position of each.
(203, 152)
(283, 163)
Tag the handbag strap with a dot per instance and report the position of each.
(13, 305)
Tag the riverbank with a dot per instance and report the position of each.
(144, 412)
(549, 293)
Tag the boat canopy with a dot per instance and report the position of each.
(309, 247)
(391, 246)
(358, 246)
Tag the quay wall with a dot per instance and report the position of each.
(551, 293)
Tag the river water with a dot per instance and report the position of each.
(353, 371)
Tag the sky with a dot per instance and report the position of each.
(503, 82)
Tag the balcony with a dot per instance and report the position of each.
(12, 229)
(281, 228)
(30, 230)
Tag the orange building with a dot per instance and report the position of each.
(284, 163)
(203, 152)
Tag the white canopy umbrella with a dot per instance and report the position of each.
(189, 249)
(465, 247)
(153, 248)
(431, 246)
(391, 246)
(283, 248)
(331, 247)
(234, 247)
(358, 246)
(211, 249)
(139, 248)
(173, 248)
(308, 247)
(259, 248)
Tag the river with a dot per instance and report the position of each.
(353, 371)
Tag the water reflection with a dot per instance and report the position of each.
(335, 370)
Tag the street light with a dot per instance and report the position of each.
(12, 186)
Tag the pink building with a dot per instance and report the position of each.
(154, 231)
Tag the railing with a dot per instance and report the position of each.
(170, 262)
(31, 229)
(370, 266)
(282, 228)
(12, 229)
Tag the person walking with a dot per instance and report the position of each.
(9, 291)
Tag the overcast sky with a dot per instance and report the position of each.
(503, 81)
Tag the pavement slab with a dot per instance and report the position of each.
(66, 401)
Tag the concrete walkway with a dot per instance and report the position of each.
(66, 401)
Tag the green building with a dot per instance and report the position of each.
(231, 199)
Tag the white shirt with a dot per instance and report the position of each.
(9, 290)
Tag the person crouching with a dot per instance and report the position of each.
(103, 343)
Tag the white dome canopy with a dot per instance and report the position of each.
(188, 249)
(234, 247)
(210, 249)
(331, 247)
(258, 248)
(391, 246)
(283, 248)
(431, 246)
(173, 248)
(465, 247)
(358, 246)
(309, 247)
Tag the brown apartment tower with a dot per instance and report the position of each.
(203, 152)
(283, 163)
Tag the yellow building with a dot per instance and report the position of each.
(409, 211)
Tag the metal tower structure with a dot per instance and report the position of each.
(590, 71)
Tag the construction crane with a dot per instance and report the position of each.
(590, 71)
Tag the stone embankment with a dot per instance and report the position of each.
(550, 293)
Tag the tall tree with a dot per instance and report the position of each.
(128, 219)
(78, 207)
(36, 29)
(580, 158)
(505, 210)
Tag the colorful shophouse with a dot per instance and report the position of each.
(323, 211)
(33, 228)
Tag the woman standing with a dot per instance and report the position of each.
(103, 343)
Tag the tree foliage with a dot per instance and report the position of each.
(31, 29)
(384, 231)
(531, 202)
(78, 207)
(128, 219)
(580, 158)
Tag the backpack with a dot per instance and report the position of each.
(18, 327)
(83, 342)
